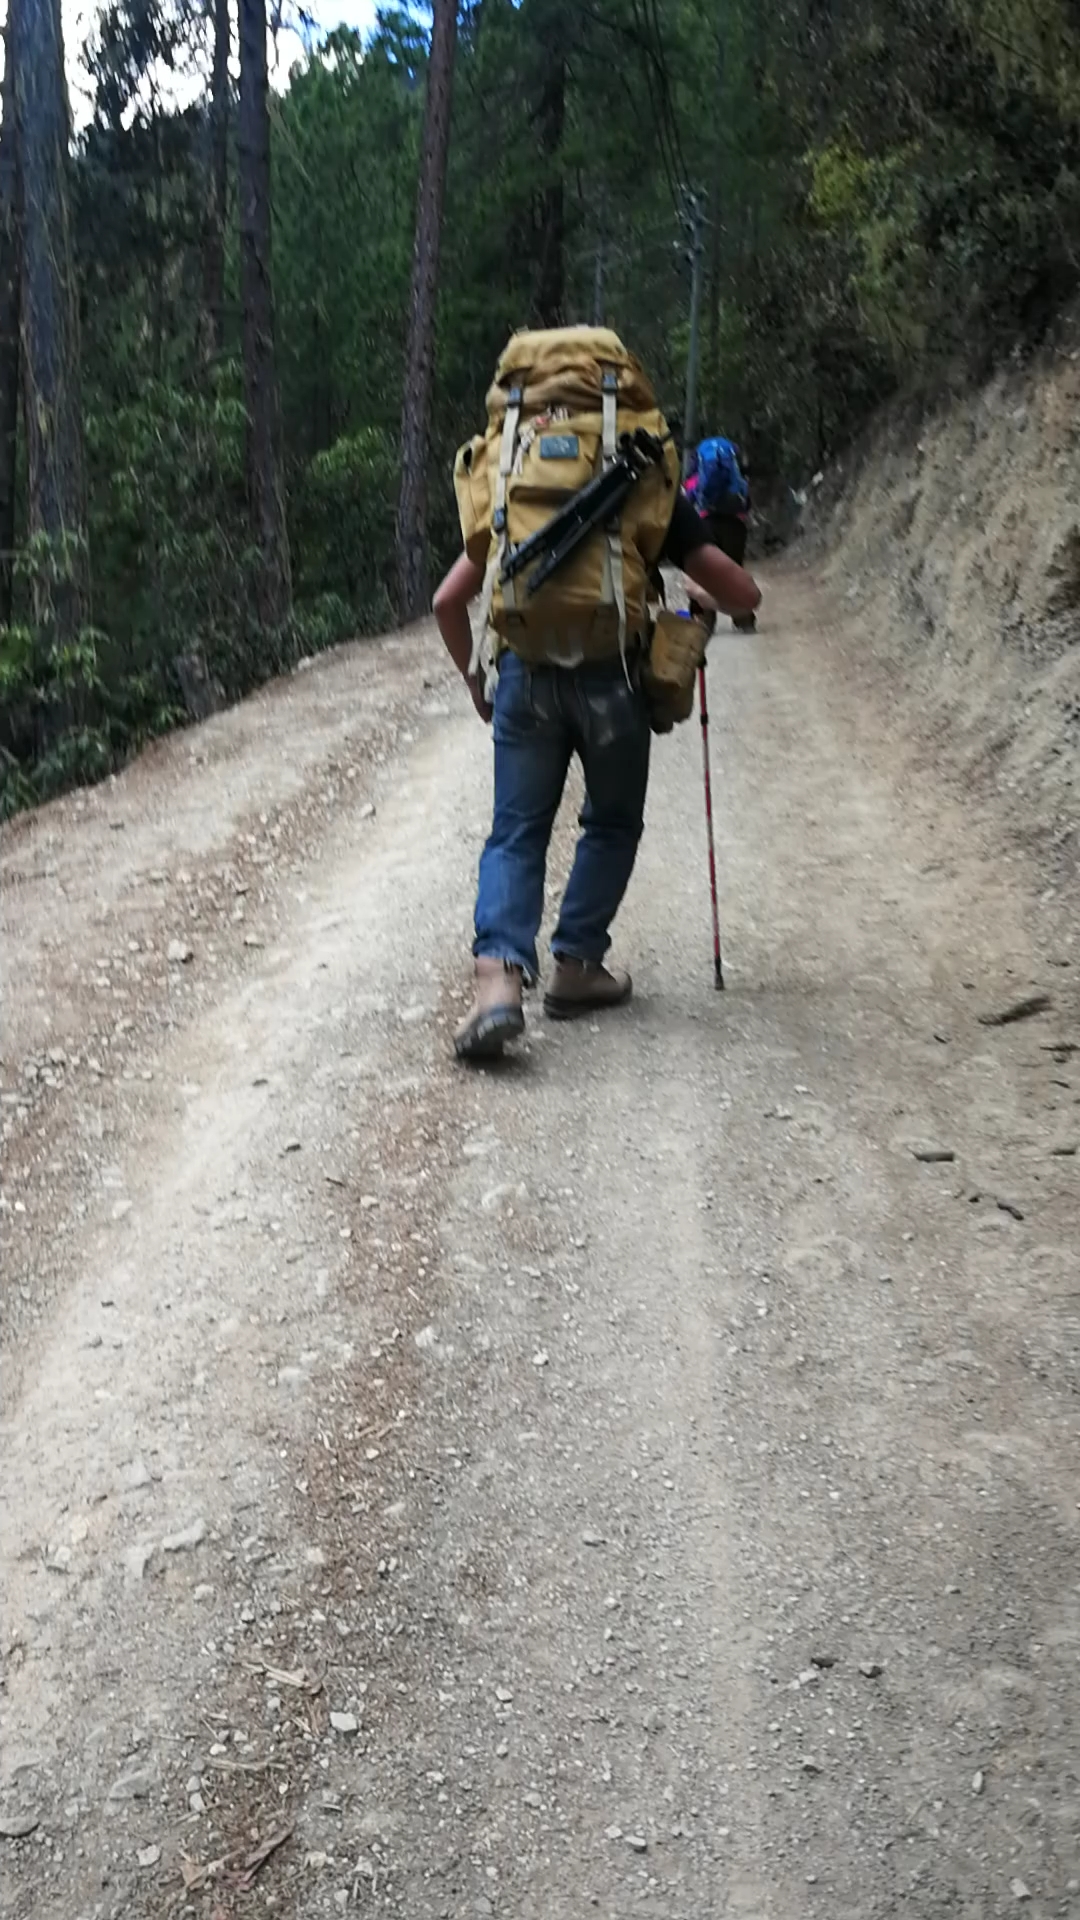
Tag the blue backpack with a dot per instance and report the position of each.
(721, 484)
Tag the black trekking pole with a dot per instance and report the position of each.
(718, 964)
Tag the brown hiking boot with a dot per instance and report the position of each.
(495, 1015)
(584, 986)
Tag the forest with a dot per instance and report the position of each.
(244, 325)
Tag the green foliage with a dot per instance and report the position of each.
(45, 568)
(343, 524)
(168, 526)
(324, 622)
(46, 689)
(346, 150)
(842, 185)
(870, 202)
(893, 197)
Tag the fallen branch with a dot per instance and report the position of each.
(301, 1678)
(240, 1866)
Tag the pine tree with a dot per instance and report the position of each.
(212, 330)
(50, 324)
(266, 492)
(10, 251)
(420, 349)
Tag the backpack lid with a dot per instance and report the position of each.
(568, 363)
(717, 451)
(548, 348)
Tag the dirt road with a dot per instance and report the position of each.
(647, 1476)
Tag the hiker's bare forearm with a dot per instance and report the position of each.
(451, 610)
(731, 589)
(456, 631)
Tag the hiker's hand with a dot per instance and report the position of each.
(479, 698)
(700, 603)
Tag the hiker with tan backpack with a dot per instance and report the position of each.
(569, 504)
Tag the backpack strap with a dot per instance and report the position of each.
(609, 402)
(507, 450)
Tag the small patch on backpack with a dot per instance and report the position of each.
(558, 446)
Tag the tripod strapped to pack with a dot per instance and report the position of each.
(597, 504)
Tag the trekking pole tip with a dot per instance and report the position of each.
(719, 977)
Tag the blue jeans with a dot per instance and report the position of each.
(543, 716)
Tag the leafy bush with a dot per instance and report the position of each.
(343, 526)
(168, 536)
(50, 695)
(324, 622)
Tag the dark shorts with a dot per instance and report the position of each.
(729, 534)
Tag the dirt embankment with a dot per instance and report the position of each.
(957, 537)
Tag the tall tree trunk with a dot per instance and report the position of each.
(10, 251)
(212, 329)
(266, 492)
(158, 334)
(551, 120)
(50, 324)
(720, 210)
(420, 350)
(598, 284)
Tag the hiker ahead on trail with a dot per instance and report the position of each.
(569, 504)
(721, 493)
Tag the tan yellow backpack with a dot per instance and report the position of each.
(560, 401)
